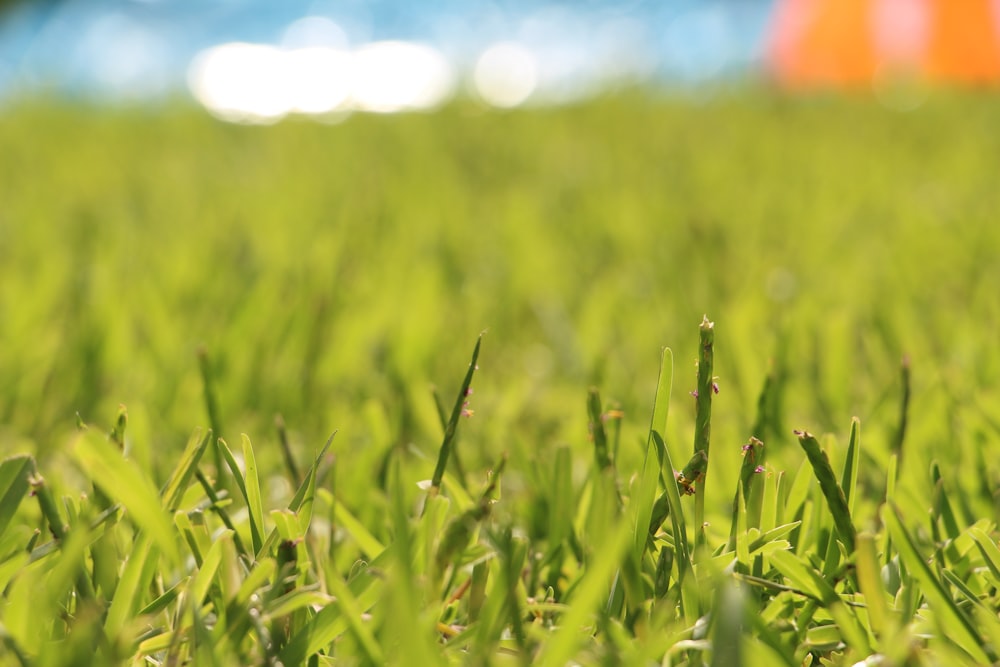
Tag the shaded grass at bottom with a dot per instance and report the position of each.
(824, 572)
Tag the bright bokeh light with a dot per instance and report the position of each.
(318, 79)
(506, 75)
(261, 84)
(241, 82)
(400, 76)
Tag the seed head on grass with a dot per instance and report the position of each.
(466, 410)
(753, 454)
(692, 473)
(117, 434)
(598, 435)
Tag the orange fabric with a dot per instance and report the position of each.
(831, 43)
(823, 42)
(963, 42)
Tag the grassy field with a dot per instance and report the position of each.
(167, 281)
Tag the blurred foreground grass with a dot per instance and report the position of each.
(330, 271)
(333, 274)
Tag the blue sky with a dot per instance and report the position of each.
(143, 49)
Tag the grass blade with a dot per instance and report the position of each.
(764, 400)
(352, 611)
(727, 640)
(682, 553)
(286, 450)
(415, 630)
(942, 506)
(676, 513)
(562, 499)
(256, 540)
(174, 491)
(814, 584)
(208, 391)
(773, 535)
(870, 583)
(953, 623)
(303, 490)
(254, 504)
(163, 601)
(832, 491)
(849, 480)
(804, 578)
(454, 458)
(136, 575)
(14, 474)
(205, 576)
(703, 419)
(904, 409)
(750, 485)
(597, 431)
(988, 549)
(366, 542)
(456, 413)
(122, 480)
(328, 624)
(560, 648)
(211, 406)
(642, 503)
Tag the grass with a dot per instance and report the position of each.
(190, 310)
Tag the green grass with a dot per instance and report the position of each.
(476, 306)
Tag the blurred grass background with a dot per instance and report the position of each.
(333, 274)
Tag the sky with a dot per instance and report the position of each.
(326, 57)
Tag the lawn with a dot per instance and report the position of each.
(806, 475)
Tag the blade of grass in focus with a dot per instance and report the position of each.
(456, 413)
(652, 465)
(833, 493)
(249, 488)
(703, 419)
